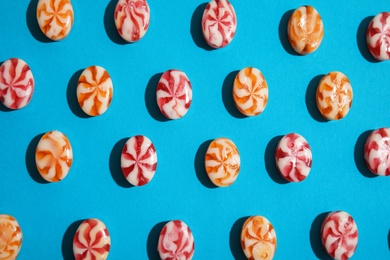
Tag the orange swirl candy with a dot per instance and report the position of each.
(10, 237)
(305, 30)
(54, 156)
(334, 96)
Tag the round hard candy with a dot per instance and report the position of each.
(305, 30)
(334, 96)
(339, 235)
(250, 92)
(219, 23)
(377, 152)
(378, 36)
(222, 162)
(258, 238)
(16, 83)
(132, 18)
(11, 237)
(176, 241)
(55, 18)
(94, 90)
(53, 156)
(174, 94)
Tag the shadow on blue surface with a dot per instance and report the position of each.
(388, 239)
(315, 238)
(362, 41)
(150, 98)
(283, 33)
(235, 239)
(196, 28)
(227, 97)
(115, 164)
(109, 24)
(30, 160)
(151, 246)
(200, 167)
(32, 22)
(4, 108)
(71, 96)
(67, 240)
(359, 155)
(310, 99)
(269, 160)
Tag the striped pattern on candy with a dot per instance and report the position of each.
(293, 157)
(94, 90)
(54, 156)
(378, 36)
(258, 238)
(132, 18)
(219, 23)
(222, 162)
(16, 83)
(334, 96)
(305, 30)
(174, 94)
(55, 18)
(250, 92)
(11, 237)
(176, 241)
(339, 235)
(139, 160)
(91, 241)
(377, 152)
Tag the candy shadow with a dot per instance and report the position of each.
(359, 155)
(235, 239)
(150, 99)
(269, 160)
(310, 99)
(152, 244)
(32, 22)
(67, 240)
(362, 41)
(115, 164)
(109, 24)
(227, 95)
(30, 160)
(200, 169)
(196, 28)
(388, 239)
(71, 96)
(4, 108)
(315, 238)
(283, 33)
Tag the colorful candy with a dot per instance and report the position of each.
(219, 23)
(91, 241)
(258, 238)
(94, 90)
(334, 96)
(139, 160)
(16, 83)
(378, 36)
(11, 237)
(222, 162)
(293, 157)
(174, 94)
(54, 156)
(339, 235)
(132, 18)
(305, 30)
(377, 152)
(250, 92)
(176, 241)
(55, 18)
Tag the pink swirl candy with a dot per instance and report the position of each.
(339, 235)
(377, 151)
(378, 36)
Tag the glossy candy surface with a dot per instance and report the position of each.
(139, 160)
(258, 238)
(339, 235)
(55, 18)
(91, 241)
(250, 92)
(54, 156)
(378, 36)
(222, 162)
(94, 90)
(132, 18)
(334, 96)
(293, 157)
(16, 83)
(305, 30)
(219, 23)
(174, 94)
(176, 241)
(10, 237)
(377, 152)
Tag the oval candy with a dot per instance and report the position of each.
(377, 152)
(378, 36)
(11, 237)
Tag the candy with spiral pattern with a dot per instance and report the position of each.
(11, 237)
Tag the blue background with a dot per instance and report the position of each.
(49, 213)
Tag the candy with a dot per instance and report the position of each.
(10, 237)
(176, 241)
(293, 157)
(55, 18)
(250, 92)
(378, 36)
(16, 83)
(94, 90)
(174, 94)
(54, 156)
(334, 96)
(339, 235)
(219, 23)
(132, 18)
(139, 160)
(305, 30)
(91, 241)
(377, 152)
(258, 238)
(222, 162)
